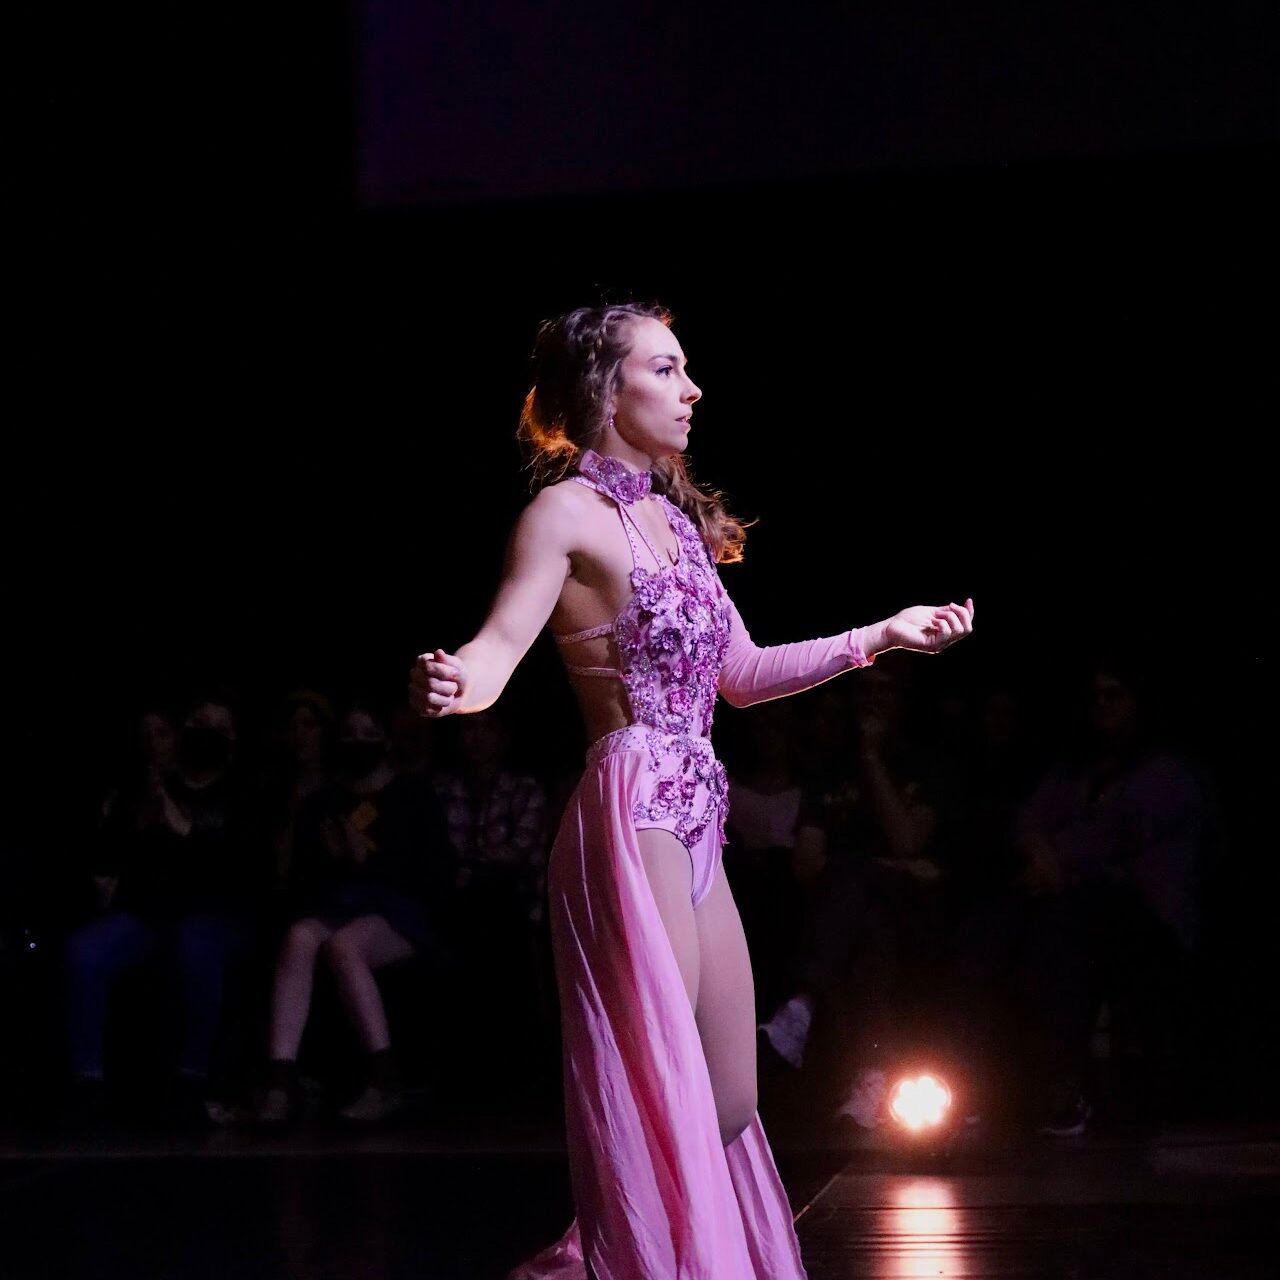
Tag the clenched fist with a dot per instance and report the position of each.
(437, 684)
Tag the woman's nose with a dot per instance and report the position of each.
(694, 392)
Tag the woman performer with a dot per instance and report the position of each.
(672, 1176)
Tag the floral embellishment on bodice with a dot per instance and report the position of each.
(672, 637)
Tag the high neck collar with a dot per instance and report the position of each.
(614, 477)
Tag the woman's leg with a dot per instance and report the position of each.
(203, 948)
(711, 950)
(726, 1008)
(291, 992)
(354, 952)
(96, 954)
(670, 875)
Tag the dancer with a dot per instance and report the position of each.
(672, 1176)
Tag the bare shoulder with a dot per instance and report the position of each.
(555, 514)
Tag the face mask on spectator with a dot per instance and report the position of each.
(203, 750)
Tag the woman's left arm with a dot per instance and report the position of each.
(751, 674)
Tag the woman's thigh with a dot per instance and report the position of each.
(670, 874)
(726, 1006)
(373, 940)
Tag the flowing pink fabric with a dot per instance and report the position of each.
(658, 1196)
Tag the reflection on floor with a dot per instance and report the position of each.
(464, 1199)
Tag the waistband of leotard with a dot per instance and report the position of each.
(639, 737)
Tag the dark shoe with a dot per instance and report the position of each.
(1069, 1119)
(374, 1106)
(279, 1104)
(277, 1109)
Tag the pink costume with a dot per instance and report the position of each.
(658, 1196)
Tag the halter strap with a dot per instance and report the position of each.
(589, 634)
(629, 523)
(630, 527)
(607, 672)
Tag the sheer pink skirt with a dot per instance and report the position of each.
(658, 1197)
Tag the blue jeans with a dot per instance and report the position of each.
(194, 951)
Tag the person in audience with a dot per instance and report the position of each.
(366, 891)
(179, 870)
(1110, 841)
(868, 842)
(764, 804)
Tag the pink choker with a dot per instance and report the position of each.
(614, 477)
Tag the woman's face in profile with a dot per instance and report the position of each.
(653, 405)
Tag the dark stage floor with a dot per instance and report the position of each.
(464, 1198)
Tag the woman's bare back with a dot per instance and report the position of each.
(597, 589)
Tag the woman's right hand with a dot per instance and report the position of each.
(437, 684)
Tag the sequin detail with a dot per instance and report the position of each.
(691, 791)
(673, 635)
(614, 478)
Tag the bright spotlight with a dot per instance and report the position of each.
(920, 1102)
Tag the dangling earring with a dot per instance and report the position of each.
(611, 422)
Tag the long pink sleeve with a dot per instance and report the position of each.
(751, 674)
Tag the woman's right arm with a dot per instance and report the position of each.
(536, 566)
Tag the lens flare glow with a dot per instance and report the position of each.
(920, 1102)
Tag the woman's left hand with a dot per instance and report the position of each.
(925, 629)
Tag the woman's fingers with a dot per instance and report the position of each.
(436, 689)
(428, 672)
(944, 623)
(440, 670)
(952, 621)
(436, 683)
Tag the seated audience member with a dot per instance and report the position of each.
(413, 742)
(299, 767)
(365, 891)
(180, 872)
(764, 804)
(997, 763)
(1111, 841)
(497, 818)
(866, 843)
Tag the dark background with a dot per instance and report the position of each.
(981, 300)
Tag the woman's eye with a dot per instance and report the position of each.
(666, 368)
